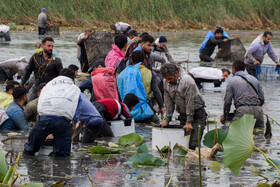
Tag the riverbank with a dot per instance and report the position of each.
(165, 15)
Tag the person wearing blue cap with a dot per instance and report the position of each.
(160, 46)
(42, 22)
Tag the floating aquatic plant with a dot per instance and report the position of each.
(212, 137)
(239, 144)
(131, 139)
(99, 149)
(142, 157)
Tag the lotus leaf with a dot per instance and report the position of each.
(145, 159)
(165, 149)
(143, 149)
(131, 139)
(267, 133)
(99, 149)
(239, 143)
(209, 137)
(3, 166)
(255, 171)
(177, 150)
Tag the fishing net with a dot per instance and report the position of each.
(98, 46)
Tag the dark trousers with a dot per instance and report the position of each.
(61, 130)
(103, 130)
(206, 58)
(87, 84)
(42, 31)
(251, 69)
(3, 75)
(126, 31)
(199, 119)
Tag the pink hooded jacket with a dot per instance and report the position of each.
(104, 83)
(114, 57)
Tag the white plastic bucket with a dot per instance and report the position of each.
(162, 136)
(122, 127)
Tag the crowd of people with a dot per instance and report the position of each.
(126, 84)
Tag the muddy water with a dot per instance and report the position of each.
(112, 171)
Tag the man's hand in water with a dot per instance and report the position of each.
(188, 127)
(164, 124)
(256, 62)
(225, 40)
(222, 119)
(161, 112)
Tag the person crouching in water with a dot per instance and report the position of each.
(181, 90)
(61, 102)
(110, 109)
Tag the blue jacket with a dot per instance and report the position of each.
(85, 112)
(16, 119)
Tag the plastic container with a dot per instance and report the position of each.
(210, 86)
(122, 127)
(268, 73)
(162, 136)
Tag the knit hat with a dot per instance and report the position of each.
(162, 39)
(19, 92)
(44, 9)
(133, 32)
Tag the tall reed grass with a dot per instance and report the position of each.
(233, 14)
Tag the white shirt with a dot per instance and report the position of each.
(121, 26)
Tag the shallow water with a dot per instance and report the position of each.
(112, 171)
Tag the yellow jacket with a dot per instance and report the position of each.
(5, 99)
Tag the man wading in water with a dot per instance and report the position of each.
(181, 90)
(44, 65)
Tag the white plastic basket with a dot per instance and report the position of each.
(122, 127)
(162, 136)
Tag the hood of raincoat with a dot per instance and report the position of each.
(114, 57)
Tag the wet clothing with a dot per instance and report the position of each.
(243, 94)
(164, 49)
(3, 75)
(13, 66)
(44, 71)
(256, 52)
(185, 95)
(5, 99)
(16, 119)
(108, 88)
(150, 85)
(114, 57)
(60, 127)
(83, 55)
(256, 111)
(123, 28)
(42, 23)
(157, 58)
(205, 54)
(189, 102)
(30, 110)
(199, 119)
(103, 130)
(115, 110)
